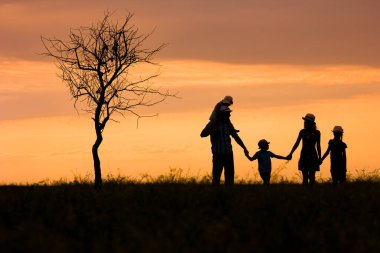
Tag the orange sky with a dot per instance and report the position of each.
(279, 62)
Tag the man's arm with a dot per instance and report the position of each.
(239, 141)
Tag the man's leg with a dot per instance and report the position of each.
(343, 176)
(217, 167)
(229, 170)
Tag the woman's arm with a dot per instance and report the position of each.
(319, 145)
(295, 145)
(326, 153)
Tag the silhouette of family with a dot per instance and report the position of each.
(220, 129)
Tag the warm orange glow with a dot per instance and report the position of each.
(43, 137)
(278, 60)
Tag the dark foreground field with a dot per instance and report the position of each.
(168, 217)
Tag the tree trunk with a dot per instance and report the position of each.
(95, 156)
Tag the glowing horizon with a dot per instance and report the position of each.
(278, 63)
(263, 100)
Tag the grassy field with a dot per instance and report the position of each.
(190, 217)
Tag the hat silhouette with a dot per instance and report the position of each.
(263, 142)
(337, 129)
(309, 116)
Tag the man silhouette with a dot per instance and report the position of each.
(220, 132)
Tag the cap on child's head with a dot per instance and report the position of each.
(262, 143)
(337, 129)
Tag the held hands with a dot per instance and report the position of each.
(247, 154)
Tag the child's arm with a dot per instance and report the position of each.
(281, 157)
(207, 130)
(344, 159)
(325, 154)
(254, 157)
(247, 155)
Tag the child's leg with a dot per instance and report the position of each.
(344, 176)
(265, 176)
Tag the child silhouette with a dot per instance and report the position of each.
(337, 148)
(263, 157)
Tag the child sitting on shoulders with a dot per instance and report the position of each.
(263, 157)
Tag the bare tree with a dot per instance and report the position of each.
(95, 63)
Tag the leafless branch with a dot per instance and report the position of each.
(95, 63)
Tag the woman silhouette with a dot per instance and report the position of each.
(311, 150)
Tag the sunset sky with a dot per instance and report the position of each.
(278, 59)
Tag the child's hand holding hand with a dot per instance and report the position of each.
(249, 158)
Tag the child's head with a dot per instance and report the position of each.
(338, 132)
(263, 144)
(227, 100)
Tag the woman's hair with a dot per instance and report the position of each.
(310, 125)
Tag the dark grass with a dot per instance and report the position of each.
(190, 217)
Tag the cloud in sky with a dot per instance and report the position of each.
(241, 31)
(31, 90)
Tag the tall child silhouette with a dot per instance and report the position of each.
(337, 148)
